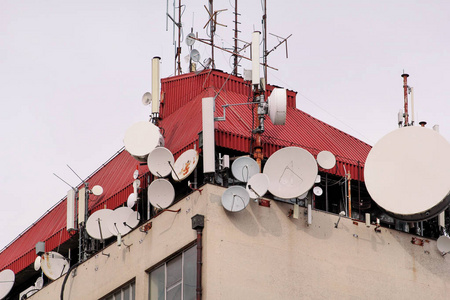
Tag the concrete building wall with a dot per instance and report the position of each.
(261, 253)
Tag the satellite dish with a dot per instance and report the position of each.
(97, 190)
(291, 171)
(317, 190)
(136, 184)
(189, 39)
(133, 219)
(326, 160)
(140, 139)
(161, 193)
(147, 98)
(185, 165)
(54, 265)
(119, 217)
(407, 173)
(7, 278)
(98, 223)
(244, 167)
(37, 263)
(258, 185)
(443, 244)
(132, 199)
(160, 162)
(195, 55)
(277, 106)
(303, 196)
(235, 198)
(136, 174)
(39, 283)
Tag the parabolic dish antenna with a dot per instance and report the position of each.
(7, 278)
(291, 171)
(189, 39)
(185, 165)
(39, 283)
(118, 223)
(443, 244)
(317, 190)
(160, 162)
(147, 98)
(97, 226)
(161, 193)
(136, 174)
(97, 190)
(407, 173)
(140, 139)
(136, 184)
(133, 219)
(131, 201)
(195, 55)
(54, 265)
(277, 106)
(258, 185)
(326, 160)
(244, 167)
(235, 198)
(37, 263)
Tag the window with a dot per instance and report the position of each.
(126, 292)
(176, 279)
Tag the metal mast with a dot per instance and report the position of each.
(405, 96)
(236, 32)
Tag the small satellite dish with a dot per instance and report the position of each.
(136, 174)
(235, 198)
(258, 185)
(443, 244)
(189, 39)
(118, 219)
(39, 283)
(131, 201)
(7, 278)
(160, 162)
(317, 190)
(147, 98)
(140, 139)
(136, 184)
(244, 167)
(291, 171)
(326, 160)
(133, 219)
(97, 190)
(54, 265)
(277, 106)
(161, 193)
(98, 223)
(185, 165)
(195, 55)
(37, 263)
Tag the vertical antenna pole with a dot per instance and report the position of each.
(265, 41)
(212, 30)
(405, 96)
(235, 38)
(179, 38)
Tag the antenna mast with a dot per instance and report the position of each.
(405, 96)
(265, 54)
(212, 30)
(236, 32)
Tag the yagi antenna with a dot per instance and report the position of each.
(64, 181)
(76, 174)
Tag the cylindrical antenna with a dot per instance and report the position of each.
(155, 86)
(405, 96)
(265, 41)
(412, 106)
(255, 58)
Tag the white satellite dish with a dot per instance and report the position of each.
(407, 173)
(277, 106)
(161, 193)
(147, 98)
(97, 190)
(189, 39)
(258, 185)
(235, 198)
(195, 55)
(185, 165)
(133, 219)
(7, 278)
(136, 184)
(119, 217)
(160, 162)
(326, 160)
(132, 199)
(37, 263)
(98, 223)
(141, 138)
(291, 171)
(54, 265)
(244, 167)
(39, 283)
(317, 190)
(443, 244)
(136, 174)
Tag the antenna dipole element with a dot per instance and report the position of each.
(405, 96)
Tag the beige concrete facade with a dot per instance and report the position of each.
(260, 253)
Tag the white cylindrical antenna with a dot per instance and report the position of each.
(208, 135)
(309, 214)
(155, 85)
(70, 210)
(412, 105)
(367, 219)
(81, 205)
(441, 219)
(255, 58)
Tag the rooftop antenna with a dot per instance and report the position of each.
(178, 24)
(212, 21)
(405, 97)
(236, 32)
(155, 90)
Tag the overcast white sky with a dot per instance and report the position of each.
(72, 74)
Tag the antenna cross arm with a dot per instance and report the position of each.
(284, 40)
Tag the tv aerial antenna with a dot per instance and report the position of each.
(179, 25)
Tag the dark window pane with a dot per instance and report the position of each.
(174, 271)
(190, 274)
(174, 293)
(157, 287)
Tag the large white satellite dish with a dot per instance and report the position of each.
(7, 278)
(119, 217)
(291, 171)
(326, 160)
(407, 173)
(161, 193)
(54, 265)
(140, 139)
(244, 167)
(443, 244)
(37, 263)
(277, 106)
(185, 165)
(97, 225)
(258, 185)
(160, 162)
(97, 190)
(147, 98)
(235, 198)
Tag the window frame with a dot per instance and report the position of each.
(129, 284)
